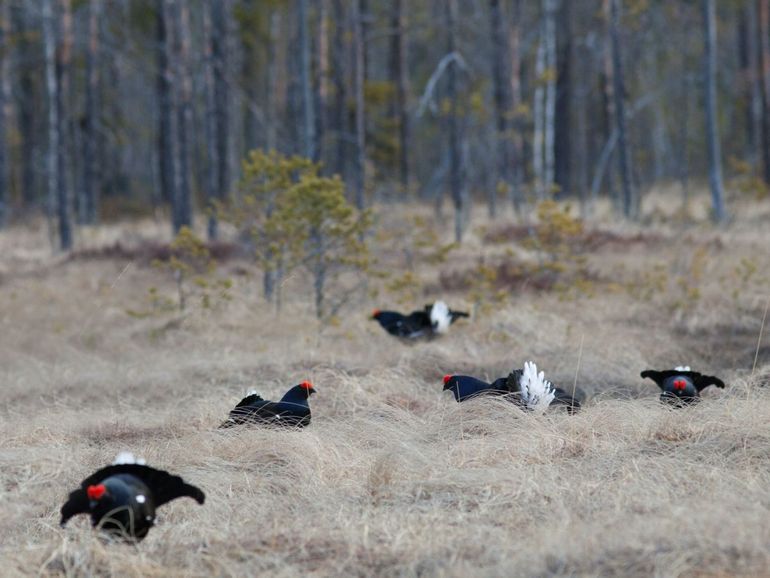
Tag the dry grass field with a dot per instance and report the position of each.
(393, 478)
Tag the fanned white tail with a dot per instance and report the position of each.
(682, 368)
(127, 458)
(537, 393)
(440, 318)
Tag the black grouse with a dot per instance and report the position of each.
(122, 498)
(528, 389)
(432, 320)
(292, 411)
(681, 386)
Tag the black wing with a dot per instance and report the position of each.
(702, 381)
(656, 376)
(248, 406)
(252, 399)
(699, 380)
(164, 486)
(77, 503)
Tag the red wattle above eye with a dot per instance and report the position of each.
(96, 492)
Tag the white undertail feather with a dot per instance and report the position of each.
(440, 318)
(251, 392)
(682, 368)
(537, 393)
(128, 458)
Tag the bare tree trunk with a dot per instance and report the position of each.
(501, 76)
(609, 102)
(565, 104)
(358, 87)
(712, 128)
(164, 87)
(63, 59)
(764, 72)
(455, 144)
(52, 89)
(5, 101)
(340, 87)
(538, 110)
(27, 111)
(620, 113)
(754, 85)
(549, 128)
(182, 206)
(271, 138)
(219, 53)
(91, 185)
(684, 138)
(210, 124)
(399, 67)
(581, 74)
(306, 81)
(321, 85)
(516, 101)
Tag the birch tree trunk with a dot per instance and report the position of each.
(712, 127)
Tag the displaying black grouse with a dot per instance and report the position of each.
(681, 386)
(293, 410)
(122, 498)
(527, 388)
(432, 320)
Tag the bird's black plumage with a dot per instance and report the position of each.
(465, 387)
(681, 386)
(418, 324)
(121, 499)
(293, 410)
(413, 326)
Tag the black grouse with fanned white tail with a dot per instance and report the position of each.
(681, 386)
(292, 411)
(123, 497)
(526, 387)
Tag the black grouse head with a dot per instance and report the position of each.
(376, 315)
(305, 388)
